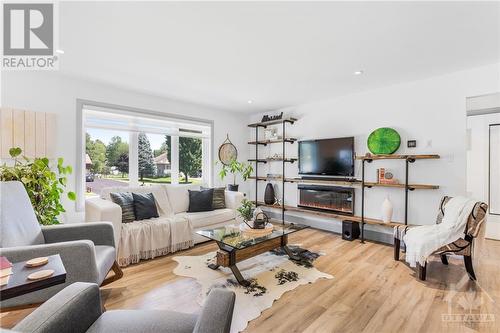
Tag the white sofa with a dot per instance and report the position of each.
(174, 229)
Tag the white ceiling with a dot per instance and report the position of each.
(277, 53)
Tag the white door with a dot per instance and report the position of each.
(483, 166)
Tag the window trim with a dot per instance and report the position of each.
(80, 139)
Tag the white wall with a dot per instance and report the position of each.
(52, 92)
(431, 111)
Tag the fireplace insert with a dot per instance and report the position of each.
(327, 198)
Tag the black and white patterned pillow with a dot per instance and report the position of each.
(126, 201)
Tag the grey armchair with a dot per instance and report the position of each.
(77, 309)
(87, 250)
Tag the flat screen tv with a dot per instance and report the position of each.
(327, 157)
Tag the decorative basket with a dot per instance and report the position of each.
(246, 230)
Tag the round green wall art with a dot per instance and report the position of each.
(383, 141)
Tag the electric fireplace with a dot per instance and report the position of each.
(327, 198)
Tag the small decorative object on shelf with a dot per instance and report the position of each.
(271, 134)
(412, 143)
(387, 210)
(384, 140)
(227, 151)
(276, 156)
(385, 177)
(269, 197)
(260, 219)
(270, 118)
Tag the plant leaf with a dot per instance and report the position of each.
(14, 152)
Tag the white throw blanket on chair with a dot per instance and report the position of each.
(422, 241)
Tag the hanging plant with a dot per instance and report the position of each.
(44, 186)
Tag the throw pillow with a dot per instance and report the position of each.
(126, 201)
(201, 201)
(144, 206)
(219, 201)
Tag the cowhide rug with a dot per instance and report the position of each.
(271, 275)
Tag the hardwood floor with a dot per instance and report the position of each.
(370, 291)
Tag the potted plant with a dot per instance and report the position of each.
(43, 185)
(246, 211)
(234, 167)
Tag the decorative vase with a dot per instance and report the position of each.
(233, 188)
(269, 194)
(387, 210)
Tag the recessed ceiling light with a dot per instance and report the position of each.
(358, 72)
(249, 101)
(60, 51)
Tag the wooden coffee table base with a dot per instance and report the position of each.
(229, 257)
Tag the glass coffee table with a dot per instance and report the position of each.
(236, 245)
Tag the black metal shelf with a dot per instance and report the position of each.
(283, 160)
(407, 187)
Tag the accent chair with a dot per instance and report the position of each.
(87, 250)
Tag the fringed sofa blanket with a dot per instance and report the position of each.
(174, 229)
(151, 238)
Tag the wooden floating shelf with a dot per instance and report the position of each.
(333, 215)
(266, 142)
(270, 179)
(274, 122)
(265, 160)
(410, 186)
(323, 181)
(398, 157)
(347, 183)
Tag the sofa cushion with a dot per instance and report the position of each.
(105, 257)
(144, 321)
(178, 196)
(219, 199)
(159, 192)
(20, 226)
(126, 201)
(144, 206)
(203, 219)
(201, 201)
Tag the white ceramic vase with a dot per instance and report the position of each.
(387, 210)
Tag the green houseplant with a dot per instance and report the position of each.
(44, 186)
(246, 211)
(234, 167)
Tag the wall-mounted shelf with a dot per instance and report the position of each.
(274, 122)
(282, 122)
(323, 181)
(409, 159)
(267, 179)
(411, 187)
(267, 142)
(265, 160)
(397, 157)
(333, 215)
